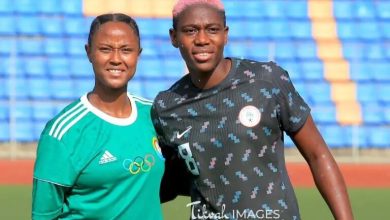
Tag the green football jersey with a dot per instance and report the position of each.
(111, 167)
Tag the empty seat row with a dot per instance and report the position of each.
(65, 7)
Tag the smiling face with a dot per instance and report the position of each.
(201, 35)
(113, 51)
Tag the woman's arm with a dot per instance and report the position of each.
(325, 171)
(47, 200)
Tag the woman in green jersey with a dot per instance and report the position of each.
(99, 157)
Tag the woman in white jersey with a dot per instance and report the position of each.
(99, 157)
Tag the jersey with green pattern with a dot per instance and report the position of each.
(109, 167)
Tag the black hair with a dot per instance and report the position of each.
(175, 19)
(117, 17)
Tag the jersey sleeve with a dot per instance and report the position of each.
(47, 200)
(293, 110)
(53, 162)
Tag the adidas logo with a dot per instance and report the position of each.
(107, 157)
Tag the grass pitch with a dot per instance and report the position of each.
(15, 204)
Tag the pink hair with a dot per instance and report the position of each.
(181, 5)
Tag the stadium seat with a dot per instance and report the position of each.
(29, 46)
(49, 6)
(300, 29)
(324, 114)
(58, 67)
(28, 25)
(6, 7)
(7, 46)
(21, 111)
(4, 113)
(54, 46)
(319, 92)
(306, 50)
(76, 46)
(378, 137)
(334, 135)
(343, 10)
(26, 7)
(150, 68)
(312, 70)
(43, 111)
(52, 26)
(24, 131)
(71, 7)
(4, 131)
(364, 10)
(296, 9)
(347, 30)
(62, 90)
(83, 85)
(285, 50)
(368, 30)
(4, 89)
(366, 92)
(7, 27)
(34, 67)
(80, 67)
(278, 29)
(39, 88)
(352, 50)
(173, 68)
(288, 143)
(360, 71)
(380, 70)
(372, 114)
(76, 26)
(135, 87)
(383, 9)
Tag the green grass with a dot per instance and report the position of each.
(15, 203)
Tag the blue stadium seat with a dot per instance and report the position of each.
(7, 27)
(150, 68)
(39, 89)
(306, 49)
(232, 10)
(38, 128)
(28, 25)
(268, 9)
(278, 29)
(49, 6)
(238, 49)
(324, 114)
(153, 87)
(378, 137)
(54, 46)
(285, 50)
(76, 26)
(4, 89)
(21, 111)
(237, 25)
(372, 114)
(163, 28)
(7, 46)
(257, 50)
(80, 67)
(347, 30)
(26, 7)
(76, 46)
(4, 131)
(173, 68)
(319, 92)
(357, 136)
(52, 26)
(146, 27)
(360, 71)
(33, 47)
(383, 91)
(58, 67)
(383, 9)
(43, 112)
(63, 89)
(135, 87)
(18, 89)
(368, 30)
(6, 6)
(300, 29)
(4, 113)
(296, 9)
(380, 70)
(343, 10)
(293, 68)
(34, 67)
(149, 48)
(83, 85)
(71, 7)
(312, 70)
(334, 135)
(352, 50)
(24, 131)
(366, 92)
(364, 10)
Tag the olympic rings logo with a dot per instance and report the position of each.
(139, 164)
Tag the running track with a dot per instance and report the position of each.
(19, 172)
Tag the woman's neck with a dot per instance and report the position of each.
(214, 78)
(114, 104)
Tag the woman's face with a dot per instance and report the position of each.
(200, 36)
(114, 53)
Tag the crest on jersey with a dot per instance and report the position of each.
(157, 148)
(249, 116)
